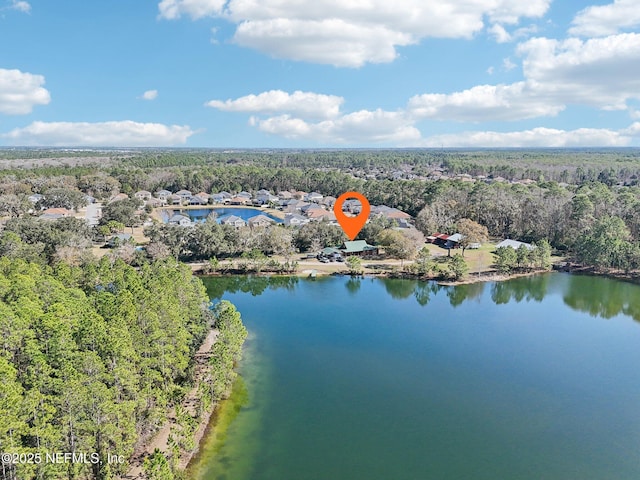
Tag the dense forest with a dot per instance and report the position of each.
(567, 197)
(93, 358)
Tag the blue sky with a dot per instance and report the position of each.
(327, 73)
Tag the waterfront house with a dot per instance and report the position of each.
(196, 200)
(239, 200)
(163, 195)
(234, 221)
(203, 196)
(184, 194)
(181, 220)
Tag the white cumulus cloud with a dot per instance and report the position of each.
(21, 91)
(598, 72)
(298, 103)
(484, 102)
(602, 20)
(102, 134)
(364, 126)
(349, 33)
(536, 137)
(150, 95)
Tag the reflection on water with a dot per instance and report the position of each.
(602, 297)
(597, 296)
(519, 289)
(253, 284)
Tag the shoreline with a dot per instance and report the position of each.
(160, 438)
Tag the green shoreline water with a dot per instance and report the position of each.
(518, 379)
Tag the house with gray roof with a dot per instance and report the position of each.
(234, 221)
(181, 220)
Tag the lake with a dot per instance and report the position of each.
(201, 214)
(533, 378)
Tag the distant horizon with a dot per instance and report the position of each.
(319, 149)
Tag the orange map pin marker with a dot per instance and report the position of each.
(352, 225)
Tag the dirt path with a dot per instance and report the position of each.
(161, 439)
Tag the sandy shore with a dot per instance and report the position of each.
(160, 439)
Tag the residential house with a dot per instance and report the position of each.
(118, 197)
(154, 202)
(181, 220)
(244, 194)
(196, 200)
(222, 197)
(120, 239)
(295, 220)
(204, 196)
(239, 200)
(55, 213)
(295, 206)
(185, 194)
(298, 195)
(234, 221)
(311, 207)
(389, 212)
(453, 241)
(351, 205)
(264, 197)
(515, 244)
(321, 214)
(163, 195)
(359, 248)
(284, 195)
(328, 201)
(438, 238)
(35, 198)
(313, 197)
(142, 195)
(260, 221)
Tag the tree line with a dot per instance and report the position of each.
(93, 358)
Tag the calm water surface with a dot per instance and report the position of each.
(201, 214)
(535, 378)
